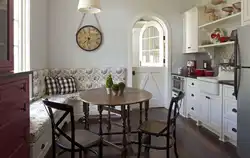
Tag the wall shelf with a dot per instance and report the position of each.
(222, 20)
(217, 44)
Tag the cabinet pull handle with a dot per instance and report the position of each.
(192, 84)
(42, 146)
(24, 107)
(192, 95)
(192, 108)
(189, 47)
(234, 130)
(208, 97)
(234, 110)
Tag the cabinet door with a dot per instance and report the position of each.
(191, 31)
(204, 108)
(246, 12)
(215, 112)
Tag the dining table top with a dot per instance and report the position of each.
(130, 96)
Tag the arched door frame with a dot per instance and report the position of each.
(168, 53)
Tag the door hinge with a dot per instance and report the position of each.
(164, 61)
(164, 38)
(133, 73)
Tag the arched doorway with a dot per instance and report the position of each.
(150, 57)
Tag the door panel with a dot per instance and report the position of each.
(152, 80)
(243, 118)
(215, 113)
(204, 108)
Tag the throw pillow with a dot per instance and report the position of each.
(51, 85)
(66, 85)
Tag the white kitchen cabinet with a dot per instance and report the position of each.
(215, 113)
(246, 12)
(210, 111)
(204, 108)
(230, 110)
(191, 98)
(190, 29)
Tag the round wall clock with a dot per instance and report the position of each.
(89, 38)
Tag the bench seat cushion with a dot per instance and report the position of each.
(39, 116)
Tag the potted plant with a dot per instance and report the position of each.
(115, 89)
(109, 83)
(121, 88)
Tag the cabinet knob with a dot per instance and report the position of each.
(189, 47)
(234, 110)
(192, 95)
(192, 84)
(234, 130)
(192, 108)
(208, 97)
(233, 94)
(24, 107)
(42, 146)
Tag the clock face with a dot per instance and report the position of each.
(89, 38)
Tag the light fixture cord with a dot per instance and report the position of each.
(96, 18)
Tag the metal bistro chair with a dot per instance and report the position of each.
(74, 140)
(160, 128)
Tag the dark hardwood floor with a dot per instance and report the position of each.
(192, 141)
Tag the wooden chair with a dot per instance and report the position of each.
(160, 128)
(74, 140)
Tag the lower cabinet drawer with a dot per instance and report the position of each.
(40, 148)
(230, 109)
(230, 129)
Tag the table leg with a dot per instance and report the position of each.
(146, 109)
(128, 118)
(140, 113)
(124, 140)
(86, 113)
(100, 109)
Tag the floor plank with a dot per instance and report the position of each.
(192, 141)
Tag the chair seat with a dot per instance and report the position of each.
(153, 126)
(82, 137)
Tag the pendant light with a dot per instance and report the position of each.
(89, 6)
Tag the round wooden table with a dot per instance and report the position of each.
(131, 97)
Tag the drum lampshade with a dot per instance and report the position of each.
(89, 6)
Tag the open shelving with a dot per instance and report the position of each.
(217, 44)
(221, 20)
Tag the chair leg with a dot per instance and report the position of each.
(139, 144)
(148, 142)
(167, 150)
(80, 154)
(109, 120)
(85, 152)
(100, 149)
(175, 145)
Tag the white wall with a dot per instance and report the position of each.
(116, 20)
(38, 34)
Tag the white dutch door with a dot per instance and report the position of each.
(149, 61)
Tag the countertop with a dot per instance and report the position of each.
(225, 82)
(176, 74)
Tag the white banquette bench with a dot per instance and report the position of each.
(85, 78)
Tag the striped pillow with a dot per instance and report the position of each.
(66, 85)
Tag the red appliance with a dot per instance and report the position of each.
(209, 73)
(199, 72)
(191, 66)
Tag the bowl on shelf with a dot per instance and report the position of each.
(224, 39)
(217, 2)
(237, 7)
(229, 10)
